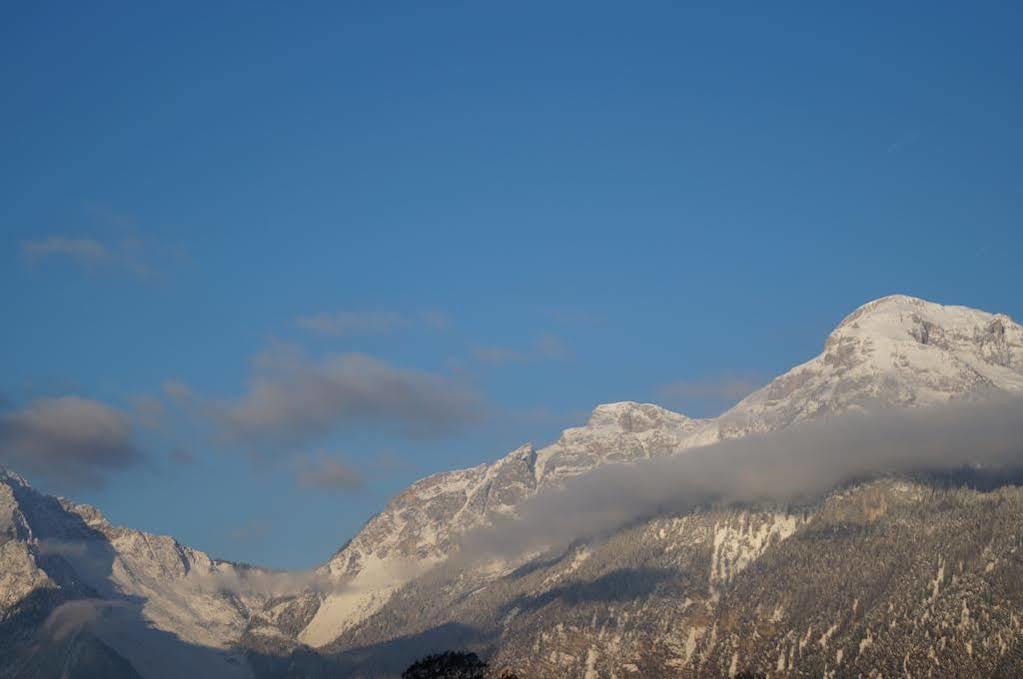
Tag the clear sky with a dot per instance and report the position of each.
(289, 261)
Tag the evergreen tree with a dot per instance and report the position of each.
(447, 665)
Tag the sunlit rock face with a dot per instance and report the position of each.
(896, 351)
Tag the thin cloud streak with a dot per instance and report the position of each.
(493, 355)
(367, 323)
(85, 250)
(349, 323)
(90, 254)
(726, 387)
(547, 347)
(708, 393)
(253, 531)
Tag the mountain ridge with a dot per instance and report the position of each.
(853, 371)
(896, 351)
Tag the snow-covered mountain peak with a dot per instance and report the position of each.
(522, 453)
(71, 550)
(92, 516)
(8, 476)
(632, 417)
(905, 318)
(897, 351)
(901, 334)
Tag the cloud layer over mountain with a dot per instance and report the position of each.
(792, 466)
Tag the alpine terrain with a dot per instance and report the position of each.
(888, 576)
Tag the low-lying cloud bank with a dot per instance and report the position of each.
(259, 582)
(796, 465)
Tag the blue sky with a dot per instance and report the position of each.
(443, 232)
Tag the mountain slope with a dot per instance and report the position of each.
(676, 593)
(891, 576)
(896, 351)
(111, 592)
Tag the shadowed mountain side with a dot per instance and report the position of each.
(620, 585)
(389, 659)
(79, 624)
(35, 643)
(27, 653)
(52, 633)
(478, 612)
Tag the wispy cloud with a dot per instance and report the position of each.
(493, 355)
(363, 323)
(708, 393)
(348, 323)
(546, 347)
(70, 440)
(257, 581)
(324, 473)
(293, 400)
(83, 250)
(251, 531)
(130, 255)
